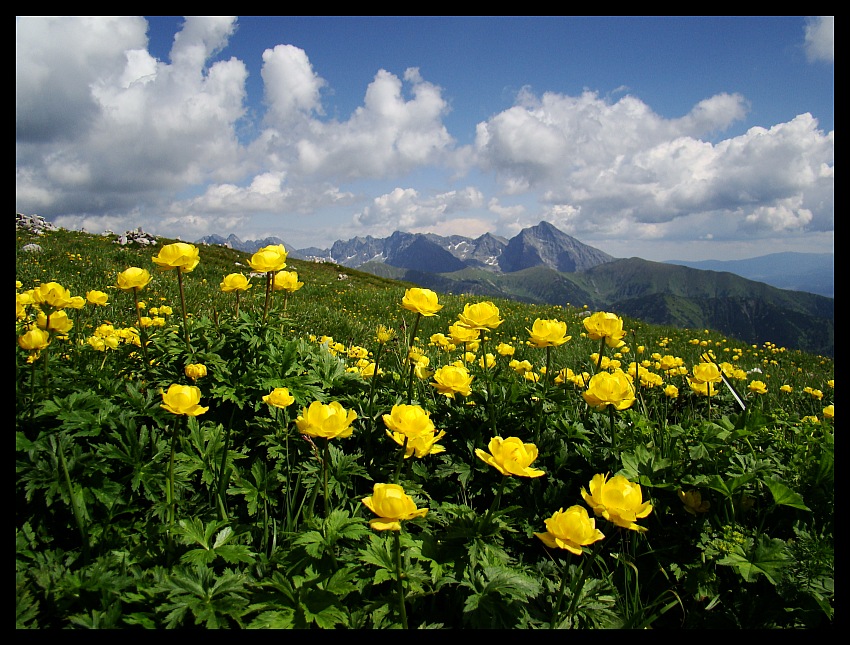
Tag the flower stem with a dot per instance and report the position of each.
(143, 336)
(576, 593)
(399, 581)
(268, 295)
(400, 459)
(561, 589)
(78, 514)
(409, 347)
(325, 473)
(496, 501)
(183, 307)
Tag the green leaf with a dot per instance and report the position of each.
(278, 619)
(769, 558)
(784, 496)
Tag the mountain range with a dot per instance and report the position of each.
(544, 265)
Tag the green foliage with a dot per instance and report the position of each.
(130, 516)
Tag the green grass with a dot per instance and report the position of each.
(130, 516)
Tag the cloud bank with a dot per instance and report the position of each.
(109, 137)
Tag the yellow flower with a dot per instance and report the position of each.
(133, 278)
(329, 421)
(391, 504)
(610, 388)
(757, 387)
(618, 500)
(505, 350)
(180, 255)
(481, 315)
(77, 302)
(786, 388)
(183, 399)
(234, 282)
(706, 373)
(59, 322)
(409, 420)
(421, 368)
(34, 340)
(413, 423)
(693, 502)
(488, 361)
(287, 281)
(671, 391)
(548, 333)
(421, 301)
(829, 412)
(704, 389)
(52, 294)
(368, 369)
(383, 334)
(605, 325)
(269, 259)
(511, 457)
(279, 398)
(195, 370)
(452, 379)
(570, 530)
(97, 297)
(520, 367)
(461, 334)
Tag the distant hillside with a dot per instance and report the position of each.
(782, 298)
(658, 293)
(812, 272)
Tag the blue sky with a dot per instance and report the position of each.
(660, 137)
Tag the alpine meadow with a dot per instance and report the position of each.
(209, 438)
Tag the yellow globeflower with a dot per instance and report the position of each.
(570, 530)
(618, 500)
(59, 322)
(461, 334)
(409, 420)
(269, 259)
(133, 278)
(52, 294)
(287, 281)
(693, 502)
(34, 340)
(703, 389)
(326, 420)
(757, 387)
(179, 255)
(605, 325)
(829, 412)
(548, 333)
(421, 301)
(511, 457)
(505, 349)
(610, 388)
(482, 315)
(195, 370)
(183, 399)
(279, 398)
(234, 282)
(707, 373)
(452, 379)
(391, 504)
(413, 425)
(96, 297)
